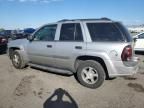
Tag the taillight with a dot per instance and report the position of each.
(3, 40)
(127, 53)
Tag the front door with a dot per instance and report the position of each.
(41, 48)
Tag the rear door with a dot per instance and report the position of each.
(70, 44)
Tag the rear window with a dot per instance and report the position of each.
(124, 31)
(104, 32)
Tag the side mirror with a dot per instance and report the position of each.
(30, 37)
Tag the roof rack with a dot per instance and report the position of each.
(91, 19)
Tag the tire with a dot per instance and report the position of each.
(90, 74)
(17, 60)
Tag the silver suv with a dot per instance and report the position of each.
(91, 49)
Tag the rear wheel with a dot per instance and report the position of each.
(90, 74)
(17, 60)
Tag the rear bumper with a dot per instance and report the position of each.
(119, 68)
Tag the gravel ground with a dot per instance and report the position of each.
(32, 88)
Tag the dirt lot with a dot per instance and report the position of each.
(32, 88)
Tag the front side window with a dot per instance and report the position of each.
(46, 33)
(71, 32)
(104, 32)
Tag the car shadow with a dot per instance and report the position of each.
(56, 100)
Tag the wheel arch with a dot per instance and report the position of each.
(11, 49)
(95, 58)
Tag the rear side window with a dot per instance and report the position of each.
(71, 32)
(104, 32)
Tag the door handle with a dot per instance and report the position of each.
(49, 46)
(78, 47)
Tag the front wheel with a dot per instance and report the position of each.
(17, 60)
(90, 74)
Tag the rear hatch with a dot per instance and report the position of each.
(112, 38)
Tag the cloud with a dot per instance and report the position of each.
(43, 1)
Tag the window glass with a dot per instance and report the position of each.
(78, 33)
(47, 33)
(141, 36)
(104, 32)
(124, 31)
(67, 32)
(71, 32)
